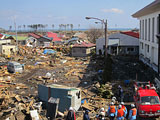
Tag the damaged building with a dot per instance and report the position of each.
(68, 96)
(123, 43)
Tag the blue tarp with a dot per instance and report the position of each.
(49, 51)
(82, 101)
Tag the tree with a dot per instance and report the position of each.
(53, 26)
(78, 26)
(71, 25)
(68, 26)
(10, 28)
(60, 26)
(65, 26)
(94, 34)
(24, 26)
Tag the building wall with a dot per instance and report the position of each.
(99, 45)
(80, 52)
(41, 41)
(118, 40)
(5, 42)
(148, 49)
(128, 50)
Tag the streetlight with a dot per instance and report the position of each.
(101, 23)
(105, 32)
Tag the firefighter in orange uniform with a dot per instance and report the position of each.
(124, 108)
(112, 111)
(132, 113)
(120, 113)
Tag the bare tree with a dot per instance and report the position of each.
(53, 26)
(79, 26)
(94, 34)
(71, 26)
(24, 26)
(10, 28)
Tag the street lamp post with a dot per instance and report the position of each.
(105, 31)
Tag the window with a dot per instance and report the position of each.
(103, 47)
(153, 29)
(158, 24)
(130, 49)
(148, 48)
(146, 29)
(141, 45)
(148, 100)
(143, 29)
(140, 29)
(149, 28)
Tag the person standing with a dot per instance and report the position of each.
(101, 115)
(71, 114)
(132, 113)
(120, 113)
(120, 93)
(86, 115)
(112, 111)
(124, 108)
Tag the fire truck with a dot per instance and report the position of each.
(146, 100)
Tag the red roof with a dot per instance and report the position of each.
(54, 36)
(147, 92)
(130, 33)
(35, 35)
(84, 44)
(1, 36)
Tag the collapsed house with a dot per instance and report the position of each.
(68, 96)
(7, 50)
(35, 40)
(54, 36)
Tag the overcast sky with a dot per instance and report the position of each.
(25, 12)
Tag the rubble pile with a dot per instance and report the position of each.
(20, 89)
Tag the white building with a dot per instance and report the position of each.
(149, 18)
(123, 43)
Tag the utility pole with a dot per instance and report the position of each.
(16, 34)
(105, 32)
(106, 38)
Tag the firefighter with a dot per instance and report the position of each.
(124, 108)
(112, 111)
(120, 93)
(132, 113)
(120, 113)
(101, 115)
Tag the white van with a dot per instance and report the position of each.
(14, 67)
